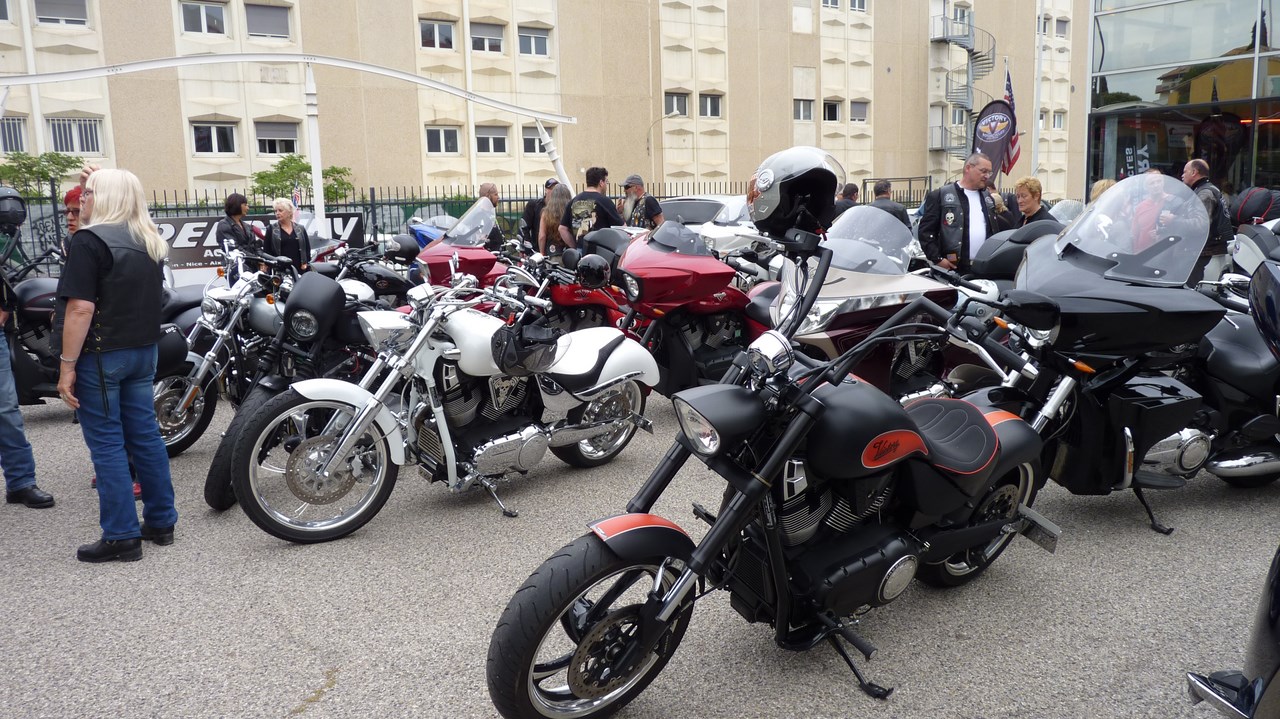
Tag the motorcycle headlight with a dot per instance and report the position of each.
(211, 310)
(630, 286)
(696, 428)
(303, 325)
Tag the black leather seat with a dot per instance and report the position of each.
(1235, 352)
(758, 309)
(609, 243)
(1264, 238)
(959, 437)
(180, 299)
(580, 382)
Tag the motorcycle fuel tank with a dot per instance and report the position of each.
(37, 298)
(475, 261)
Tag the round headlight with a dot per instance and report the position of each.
(704, 438)
(211, 310)
(304, 325)
(631, 286)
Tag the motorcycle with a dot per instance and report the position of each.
(1253, 692)
(315, 334)
(836, 499)
(462, 395)
(466, 240)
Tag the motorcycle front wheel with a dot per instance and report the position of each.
(181, 429)
(552, 652)
(276, 463)
(219, 493)
(616, 404)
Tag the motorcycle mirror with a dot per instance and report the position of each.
(1030, 309)
(453, 264)
(569, 258)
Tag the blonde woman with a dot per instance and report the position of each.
(549, 222)
(286, 239)
(110, 296)
(1027, 191)
(1100, 187)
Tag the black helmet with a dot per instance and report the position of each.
(593, 271)
(797, 189)
(13, 210)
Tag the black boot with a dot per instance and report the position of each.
(106, 550)
(160, 535)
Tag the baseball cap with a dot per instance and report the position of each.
(633, 180)
(551, 182)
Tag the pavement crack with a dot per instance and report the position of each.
(330, 681)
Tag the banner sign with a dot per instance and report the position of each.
(193, 241)
(991, 133)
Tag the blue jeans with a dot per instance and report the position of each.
(118, 418)
(15, 451)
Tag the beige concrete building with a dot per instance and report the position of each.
(676, 90)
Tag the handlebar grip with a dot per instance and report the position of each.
(978, 332)
(537, 302)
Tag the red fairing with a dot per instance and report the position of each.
(475, 261)
(577, 295)
(731, 298)
(669, 280)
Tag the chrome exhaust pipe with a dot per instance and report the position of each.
(1245, 464)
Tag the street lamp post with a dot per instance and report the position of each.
(648, 144)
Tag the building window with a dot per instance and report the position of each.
(1060, 28)
(438, 35)
(491, 140)
(76, 135)
(276, 138)
(442, 140)
(1059, 120)
(267, 21)
(486, 37)
(802, 109)
(962, 14)
(4, 10)
(834, 4)
(859, 5)
(216, 138)
(13, 134)
(61, 12)
(1044, 119)
(202, 18)
(959, 116)
(533, 141)
(533, 41)
(709, 105)
(1042, 27)
(676, 102)
(831, 112)
(858, 111)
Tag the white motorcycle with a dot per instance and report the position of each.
(465, 396)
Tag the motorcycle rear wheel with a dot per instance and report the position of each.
(219, 493)
(184, 429)
(549, 655)
(1018, 487)
(275, 463)
(618, 403)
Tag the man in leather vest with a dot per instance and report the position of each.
(1195, 174)
(958, 217)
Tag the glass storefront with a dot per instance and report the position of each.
(1178, 79)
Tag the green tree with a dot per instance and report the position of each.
(30, 174)
(294, 171)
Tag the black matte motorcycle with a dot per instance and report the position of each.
(836, 498)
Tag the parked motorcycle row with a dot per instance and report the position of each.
(872, 426)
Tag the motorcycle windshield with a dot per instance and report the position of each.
(1146, 230)
(472, 229)
(868, 239)
(677, 238)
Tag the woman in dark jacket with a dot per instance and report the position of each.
(285, 238)
(1027, 191)
(110, 294)
(232, 231)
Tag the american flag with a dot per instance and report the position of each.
(297, 195)
(1010, 157)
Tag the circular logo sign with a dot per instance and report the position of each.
(994, 127)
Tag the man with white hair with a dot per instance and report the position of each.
(637, 207)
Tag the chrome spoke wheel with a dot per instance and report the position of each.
(616, 405)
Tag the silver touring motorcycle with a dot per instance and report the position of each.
(464, 395)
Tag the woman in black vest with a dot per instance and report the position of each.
(110, 292)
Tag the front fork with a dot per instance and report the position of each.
(210, 358)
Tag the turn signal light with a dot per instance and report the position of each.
(271, 299)
(1000, 322)
(1083, 367)
(222, 272)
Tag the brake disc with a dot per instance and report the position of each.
(591, 670)
(302, 471)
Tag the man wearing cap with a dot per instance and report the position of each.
(637, 207)
(532, 214)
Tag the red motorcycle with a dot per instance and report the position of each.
(465, 240)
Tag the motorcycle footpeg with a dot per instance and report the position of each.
(642, 422)
(1039, 529)
(701, 512)
(1156, 480)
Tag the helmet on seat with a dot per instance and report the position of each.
(593, 271)
(795, 188)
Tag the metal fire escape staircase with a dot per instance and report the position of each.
(980, 47)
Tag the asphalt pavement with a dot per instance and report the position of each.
(395, 619)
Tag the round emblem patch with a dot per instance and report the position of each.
(950, 219)
(764, 180)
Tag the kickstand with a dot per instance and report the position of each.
(493, 492)
(875, 691)
(1152, 515)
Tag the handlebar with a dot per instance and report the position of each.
(951, 277)
(977, 331)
